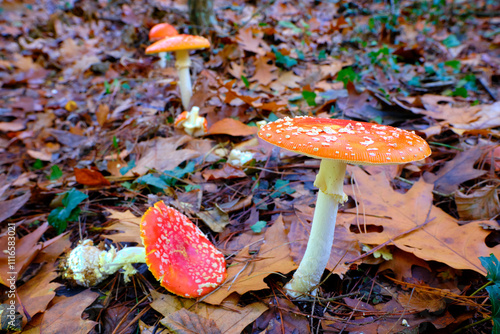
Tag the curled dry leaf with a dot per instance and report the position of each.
(232, 127)
(482, 203)
(230, 318)
(90, 177)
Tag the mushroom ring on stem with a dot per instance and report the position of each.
(336, 142)
(177, 253)
(181, 44)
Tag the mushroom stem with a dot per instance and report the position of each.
(182, 65)
(330, 180)
(163, 59)
(124, 259)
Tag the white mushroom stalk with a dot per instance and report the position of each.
(182, 64)
(330, 180)
(87, 265)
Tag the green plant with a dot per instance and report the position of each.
(68, 212)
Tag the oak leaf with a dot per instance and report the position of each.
(230, 318)
(247, 271)
(434, 235)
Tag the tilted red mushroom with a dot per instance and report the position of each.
(336, 142)
(161, 31)
(181, 44)
(179, 255)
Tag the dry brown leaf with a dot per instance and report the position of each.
(90, 177)
(186, 322)
(402, 264)
(482, 203)
(127, 224)
(216, 219)
(26, 249)
(456, 171)
(264, 73)
(226, 172)
(232, 127)
(9, 207)
(163, 154)
(441, 239)
(229, 317)
(421, 301)
(65, 314)
(247, 272)
(102, 114)
(250, 39)
(37, 293)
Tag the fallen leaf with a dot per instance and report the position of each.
(251, 40)
(441, 239)
(402, 263)
(247, 272)
(163, 154)
(216, 219)
(456, 171)
(225, 173)
(9, 207)
(186, 322)
(265, 73)
(229, 317)
(90, 177)
(421, 301)
(65, 314)
(127, 224)
(481, 203)
(26, 249)
(232, 127)
(37, 293)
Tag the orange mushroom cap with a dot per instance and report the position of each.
(350, 141)
(178, 254)
(162, 30)
(178, 43)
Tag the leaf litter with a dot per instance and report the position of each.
(87, 143)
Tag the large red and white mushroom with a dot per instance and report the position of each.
(336, 142)
(161, 31)
(181, 45)
(177, 253)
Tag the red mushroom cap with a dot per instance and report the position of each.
(161, 31)
(350, 141)
(177, 43)
(178, 254)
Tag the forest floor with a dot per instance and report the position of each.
(88, 143)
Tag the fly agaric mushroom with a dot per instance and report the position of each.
(181, 44)
(179, 255)
(161, 31)
(193, 124)
(336, 142)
